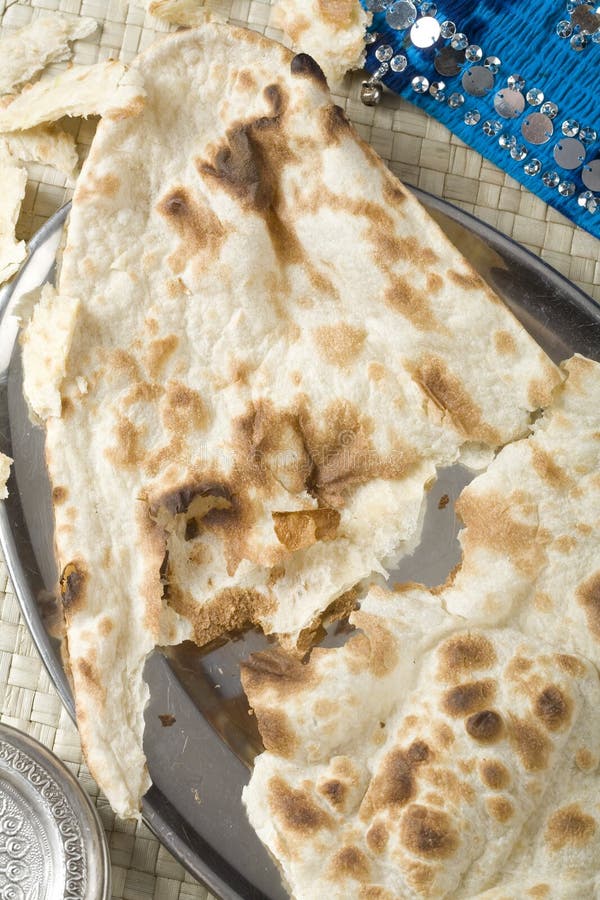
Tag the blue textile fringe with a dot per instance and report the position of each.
(523, 36)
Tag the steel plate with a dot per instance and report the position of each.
(200, 763)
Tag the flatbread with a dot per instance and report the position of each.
(528, 583)
(45, 144)
(428, 758)
(5, 464)
(13, 179)
(331, 31)
(273, 363)
(106, 89)
(26, 51)
(532, 523)
(45, 346)
(185, 13)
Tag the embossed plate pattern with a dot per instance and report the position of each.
(52, 845)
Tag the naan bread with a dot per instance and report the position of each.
(428, 758)
(28, 50)
(106, 89)
(13, 179)
(331, 31)
(5, 464)
(530, 568)
(45, 144)
(45, 347)
(532, 523)
(262, 378)
(186, 13)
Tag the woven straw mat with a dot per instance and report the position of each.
(421, 152)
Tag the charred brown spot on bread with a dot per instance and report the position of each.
(377, 837)
(278, 671)
(504, 342)
(570, 827)
(194, 222)
(73, 586)
(276, 732)
(179, 501)
(97, 186)
(588, 596)
(304, 66)
(106, 626)
(500, 808)
(486, 726)
(449, 394)
(531, 744)
(241, 165)
(59, 495)
(296, 809)
(87, 670)
(339, 344)
(128, 451)
(334, 791)
(158, 353)
(374, 649)
(465, 653)
(434, 283)
(167, 720)
(340, 449)
(339, 13)
(192, 529)
(276, 96)
(227, 612)
(570, 664)
(394, 786)
(494, 774)
(539, 891)
(553, 708)
(143, 392)
(490, 523)
(183, 409)
(66, 407)
(468, 281)
(566, 543)
(428, 832)
(302, 528)
(350, 862)
(334, 122)
(465, 699)
(124, 364)
(585, 760)
(412, 303)
(549, 470)
(517, 667)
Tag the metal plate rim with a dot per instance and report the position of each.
(152, 815)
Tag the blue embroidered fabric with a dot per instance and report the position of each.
(517, 81)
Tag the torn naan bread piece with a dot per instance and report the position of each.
(45, 346)
(331, 31)
(274, 366)
(5, 464)
(185, 13)
(13, 180)
(427, 758)
(26, 51)
(45, 144)
(106, 89)
(532, 521)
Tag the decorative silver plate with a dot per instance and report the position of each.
(52, 845)
(199, 739)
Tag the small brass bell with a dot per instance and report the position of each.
(370, 93)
